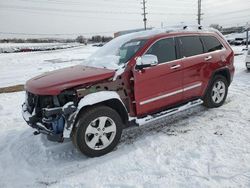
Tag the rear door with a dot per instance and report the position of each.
(215, 55)
(194, 65)
(159, 86)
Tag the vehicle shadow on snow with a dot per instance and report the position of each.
(67, 158)
(57, 153)
(65, 153)
(171, 126)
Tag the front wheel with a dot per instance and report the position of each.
(217, 92)
(97, 131)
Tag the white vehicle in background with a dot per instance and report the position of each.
(248, 60)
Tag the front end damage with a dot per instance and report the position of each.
(55, 115)
(50, 115)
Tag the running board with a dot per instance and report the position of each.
(150, 118)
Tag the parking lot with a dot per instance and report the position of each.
(197, 148)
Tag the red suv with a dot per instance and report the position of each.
(132, 80)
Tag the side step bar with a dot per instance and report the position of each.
(151, 118)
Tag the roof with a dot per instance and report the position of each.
(180, 30)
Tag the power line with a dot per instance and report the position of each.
(79, 3)
(230, 12)
(69, 15)
(16, 7)
(64, 2)
(228, 18)
(66, 10)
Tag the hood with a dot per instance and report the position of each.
(54, 82)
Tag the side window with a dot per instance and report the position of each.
(164, 50)
(190, 46)
(211, 43)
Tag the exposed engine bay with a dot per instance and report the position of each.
(52, 115)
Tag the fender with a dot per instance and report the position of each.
(98, 97)
(92, 99)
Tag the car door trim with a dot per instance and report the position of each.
(171, 94)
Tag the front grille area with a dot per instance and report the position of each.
(31, 101)
(38, 102)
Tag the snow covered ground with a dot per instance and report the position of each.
(196, 148)
(7, 45)
(16, 68)
(21, 47)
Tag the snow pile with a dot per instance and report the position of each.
(108, 57)
(30, 47)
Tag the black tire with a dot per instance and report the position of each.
(208, 100)
(83, 122)
(248, 69)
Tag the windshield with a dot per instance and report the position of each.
(118, 51)
(128, 50)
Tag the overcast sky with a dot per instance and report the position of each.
(89, 17)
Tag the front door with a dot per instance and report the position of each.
(159, 86)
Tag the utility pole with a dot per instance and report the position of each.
(199, 12)
(247, 38)
(144, 14)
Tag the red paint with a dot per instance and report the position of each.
(149, 83)
(159, 80)
(54, 82)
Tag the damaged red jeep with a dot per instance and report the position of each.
(133, 80)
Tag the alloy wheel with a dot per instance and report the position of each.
(100, 133)
(218, 92)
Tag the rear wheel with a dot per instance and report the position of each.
(97, 131)
(217, 92)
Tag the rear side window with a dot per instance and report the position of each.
(190, 46)
(211, 43)
(164, 50)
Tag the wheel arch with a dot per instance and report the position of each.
(223, 72)
(107, 98)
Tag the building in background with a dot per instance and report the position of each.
(119, 33)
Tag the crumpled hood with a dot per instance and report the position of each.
(54, 82)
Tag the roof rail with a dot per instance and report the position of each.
(194, 28)
(187, 28)
(191, 28)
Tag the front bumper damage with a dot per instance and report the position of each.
(64, 115)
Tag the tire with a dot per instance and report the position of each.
(248, 69)
(216, 93)
(98, 130)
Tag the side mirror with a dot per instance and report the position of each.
(146, 60)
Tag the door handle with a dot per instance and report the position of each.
(175, 67)
(208, 58)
